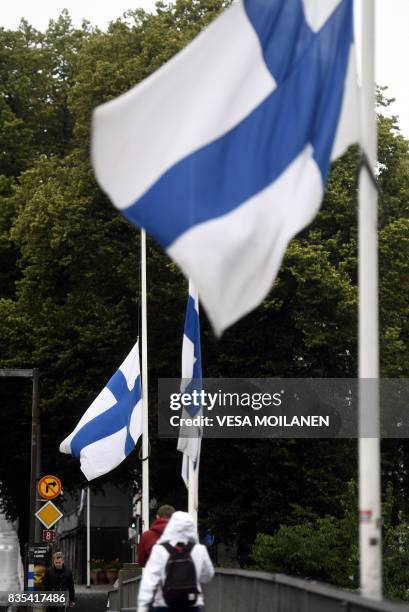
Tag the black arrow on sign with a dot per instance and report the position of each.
(51, 484)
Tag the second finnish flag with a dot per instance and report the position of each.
(112, 425)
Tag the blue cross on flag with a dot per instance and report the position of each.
(110, 428)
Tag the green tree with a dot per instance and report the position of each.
(326, 548)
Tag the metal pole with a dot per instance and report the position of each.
(88, 538)
(34, 529)
(193, 492)
(369, 447)
(39, 501)
(145, 422)
(193, 474)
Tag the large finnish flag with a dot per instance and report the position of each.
(223, 153)
(111, 426)
(191, 379)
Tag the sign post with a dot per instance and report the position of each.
(35, 458)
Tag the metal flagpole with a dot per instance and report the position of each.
(145, 426)
(193, 490)
(88, 538)
(193, 474)
(369, 447)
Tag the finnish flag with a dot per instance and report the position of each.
(223, 153)
(110, 428)
(191, 379)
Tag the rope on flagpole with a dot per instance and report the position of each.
(363, 162)
(147, 456)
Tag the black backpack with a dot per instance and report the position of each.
(180, 587)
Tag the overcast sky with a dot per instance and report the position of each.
(392, 39)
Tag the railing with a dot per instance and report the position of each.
(124, 598)
(242, 591)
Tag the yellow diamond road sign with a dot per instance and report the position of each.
(48, 514)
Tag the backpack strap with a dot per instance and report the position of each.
(189, 547)
(168, 547)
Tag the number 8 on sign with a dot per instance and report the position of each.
(48, 535)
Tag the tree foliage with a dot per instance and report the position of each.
(69, 292)
(326, 548)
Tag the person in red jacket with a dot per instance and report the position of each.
(152, 535)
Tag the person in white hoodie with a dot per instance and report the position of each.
(180, 530)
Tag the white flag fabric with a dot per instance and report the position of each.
(191, 379)
(83, 499)
(223, 153)
(110, 428)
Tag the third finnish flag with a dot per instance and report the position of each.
(191, 379)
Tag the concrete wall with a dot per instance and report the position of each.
(241, 591)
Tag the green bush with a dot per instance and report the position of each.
(324, 550)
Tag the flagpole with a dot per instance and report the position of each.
(369, 448)
(88, 538)
(193, 490)
(145, 423)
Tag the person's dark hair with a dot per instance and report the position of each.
(165, 511)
